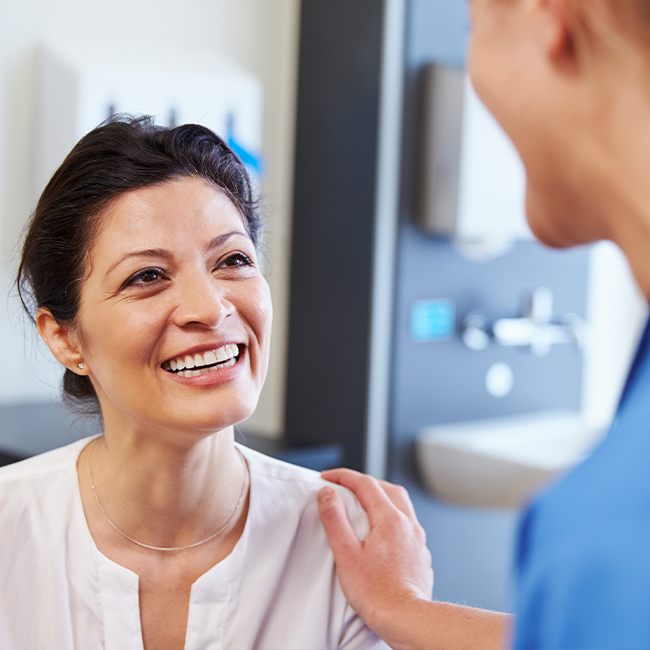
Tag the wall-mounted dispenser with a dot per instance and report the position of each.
(78, 90)
(464, 158)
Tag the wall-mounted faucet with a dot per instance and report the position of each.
(535, 329)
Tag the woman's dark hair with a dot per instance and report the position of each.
(122, 154)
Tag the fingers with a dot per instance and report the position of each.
(369, 492)
(342, 538)
(371, 496)
(400, 497)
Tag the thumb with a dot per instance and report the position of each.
(342, 538)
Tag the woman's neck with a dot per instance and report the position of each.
(166, 494)
(627, 201)
(616, 187)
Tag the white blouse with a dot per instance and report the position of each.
(277, 589)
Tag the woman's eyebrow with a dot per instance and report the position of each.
(216, 242)
(220, 240)
(149, 252)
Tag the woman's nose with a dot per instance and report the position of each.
(202, 300)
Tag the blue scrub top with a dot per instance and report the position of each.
(583, 557)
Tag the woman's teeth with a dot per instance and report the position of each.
(203, 371)
(192, 365)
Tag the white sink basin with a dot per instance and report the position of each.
(501, 462)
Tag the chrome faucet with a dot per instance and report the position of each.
(535, 329)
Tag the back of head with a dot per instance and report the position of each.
(121, 155)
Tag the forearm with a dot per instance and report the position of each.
(425, 625)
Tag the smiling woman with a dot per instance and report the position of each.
(140, 271)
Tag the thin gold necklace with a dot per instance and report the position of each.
(168, 548)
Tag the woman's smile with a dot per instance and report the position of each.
(207, 366)
(195, 360)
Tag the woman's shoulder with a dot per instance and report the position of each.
(51, 462)
(275, 469)
(296, 488)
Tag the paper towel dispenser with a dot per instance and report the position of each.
(77, 90)
(471, 182)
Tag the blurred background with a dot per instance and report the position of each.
(420, 333)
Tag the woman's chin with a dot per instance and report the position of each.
(211, 424)
(209, 410)
(543, 224)
(554, 223)
(556, 238)
(547, 238)
(207, 421)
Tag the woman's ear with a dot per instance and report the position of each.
(63, 341)
(556, 27)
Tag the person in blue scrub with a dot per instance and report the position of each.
(569, 80)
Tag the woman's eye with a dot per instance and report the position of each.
(237, 259)
(146, 277)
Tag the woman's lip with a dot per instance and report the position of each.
(214, 376)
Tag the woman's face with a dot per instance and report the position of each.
(175, 316)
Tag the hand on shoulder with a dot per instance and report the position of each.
(390, 568)
(387, 575)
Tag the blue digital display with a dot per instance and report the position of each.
(432, 320)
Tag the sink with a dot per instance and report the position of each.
(501, 462)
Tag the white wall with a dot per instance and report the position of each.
(260, 35)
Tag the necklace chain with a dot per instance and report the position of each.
(169, 548)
